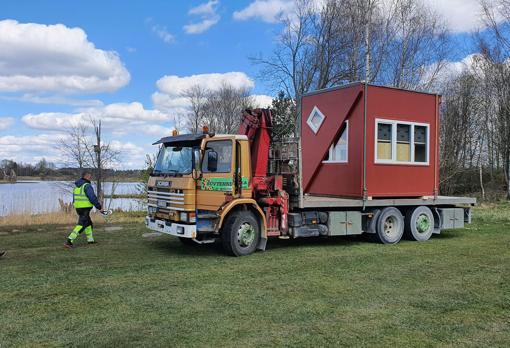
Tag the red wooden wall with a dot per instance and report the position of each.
(346, 179)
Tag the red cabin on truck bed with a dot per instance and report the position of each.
(364, 141)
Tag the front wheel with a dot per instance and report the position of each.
(240, 234)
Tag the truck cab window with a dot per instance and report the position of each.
(223, 148)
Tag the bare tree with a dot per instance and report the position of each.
(101, 155)
(197, 98)
(83, 150)
(73, 148)
(401, 43)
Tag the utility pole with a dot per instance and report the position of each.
(97, 150)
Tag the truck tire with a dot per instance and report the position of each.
(419, 224)
(187, 241)
(240, 233)
(389, 226)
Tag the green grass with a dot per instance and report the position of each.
(133, 291)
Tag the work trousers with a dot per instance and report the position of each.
(84, 224)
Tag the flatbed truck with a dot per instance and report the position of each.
(244, 189)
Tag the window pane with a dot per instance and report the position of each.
(403, 143)
(403, 133)
(316, 120)
(384, 132)
(384, 137)
(340, 148)
(224, 150)
(420, 144)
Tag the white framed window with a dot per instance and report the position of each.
(315, 119)
(401, 142)
(339, 150)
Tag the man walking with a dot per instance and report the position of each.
(84, 199)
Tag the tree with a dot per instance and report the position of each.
(284, 113)
(73, 147)
(83, 150)
(197, 97)
(400, 43)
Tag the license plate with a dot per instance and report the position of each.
(161, 204)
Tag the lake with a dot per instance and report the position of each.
(35, 197)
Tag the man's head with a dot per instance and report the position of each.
(87, 175)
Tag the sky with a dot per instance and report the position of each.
(127, 63)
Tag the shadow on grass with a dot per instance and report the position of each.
(347, 241)
(175, 247)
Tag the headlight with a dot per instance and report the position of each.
(183, 216)
(192, 217)
(152, 210)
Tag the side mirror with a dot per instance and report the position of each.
(212, 161)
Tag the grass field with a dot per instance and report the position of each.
(131, 290)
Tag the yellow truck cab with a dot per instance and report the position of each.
(198, 179)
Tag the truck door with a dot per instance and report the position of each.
(216, 184)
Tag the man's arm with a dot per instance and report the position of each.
(89, 191)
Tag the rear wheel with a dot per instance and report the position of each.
(389, 226)
(240, 233)
(419, 224)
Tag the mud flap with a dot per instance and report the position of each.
(262, 244)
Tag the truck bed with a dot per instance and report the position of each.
(312, 201)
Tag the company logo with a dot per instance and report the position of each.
(161, 183)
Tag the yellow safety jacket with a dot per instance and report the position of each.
(80, 199)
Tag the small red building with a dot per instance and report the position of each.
(370, 141)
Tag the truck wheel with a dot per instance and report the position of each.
(187, 241)
(419, 224)
(240, 234)
(390, 226)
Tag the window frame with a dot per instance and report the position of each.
(332, 147)
(394, 142)
(204, 158)
(309, 119)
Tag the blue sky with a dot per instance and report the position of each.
(110, 66)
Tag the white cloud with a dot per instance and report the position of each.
(54, 58)
(262, 101)
(163, 34)
(30, 148)
(440, 73)
(169, 97)
(120, 118)
(53, 100)
(209, 17)
(6, 122)
(461, 15)
(270, 11)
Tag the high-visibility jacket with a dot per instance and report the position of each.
(80, 199)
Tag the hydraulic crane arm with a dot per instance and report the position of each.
(256, 125)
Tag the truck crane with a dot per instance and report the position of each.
(245, 188)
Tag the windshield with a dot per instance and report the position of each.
(174, 160)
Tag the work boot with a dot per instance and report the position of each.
(2, 253)
(68, 244)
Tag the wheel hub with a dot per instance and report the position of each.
(389, 225)
(423, 223)
(246, 235)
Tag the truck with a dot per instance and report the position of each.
(365, 161)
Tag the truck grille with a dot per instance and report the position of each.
(166, 200)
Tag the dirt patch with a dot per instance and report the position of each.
(151, 235)
(112, 228)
